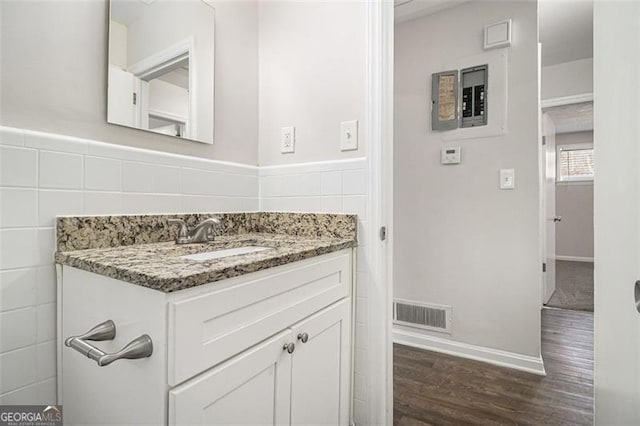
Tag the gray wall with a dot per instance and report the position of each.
(574, 202)
(459, 239)
(53, 76)
(312, 63)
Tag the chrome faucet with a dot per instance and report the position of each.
(201, 233)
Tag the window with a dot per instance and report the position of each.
(575, 162)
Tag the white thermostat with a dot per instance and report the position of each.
(451, 155)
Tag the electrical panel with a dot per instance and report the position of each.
(444, 100)
(473, 83)
(459, 98)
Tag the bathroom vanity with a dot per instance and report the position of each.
(261, 337)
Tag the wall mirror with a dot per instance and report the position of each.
(161, 56)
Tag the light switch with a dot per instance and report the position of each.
(349, 135)
(507, 179)
(287, 140)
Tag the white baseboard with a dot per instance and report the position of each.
(575, 258)
(526, 363)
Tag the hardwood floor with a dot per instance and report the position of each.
(436, 389)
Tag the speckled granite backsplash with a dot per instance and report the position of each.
(94, 232)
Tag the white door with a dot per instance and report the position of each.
(320, 371)
(549, 167)
(122, 86)
(252, 388)
(616, 54)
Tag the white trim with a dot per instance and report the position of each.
(542, 199)
(566, 100)
(379, 128)
(315, 166)
(588, 182)
(576, 179)
(573, 146)
(167, 115)
(149, 64)
(527, 363)
(575, 258)
(409, 10)
(73, 144)
(174, 53)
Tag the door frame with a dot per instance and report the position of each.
(567, 100)
(379, 128)
(154, 64)
(544, 105)
(544, 210)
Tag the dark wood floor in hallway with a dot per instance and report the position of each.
(436, 389)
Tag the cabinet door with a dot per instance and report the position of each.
(321, 367)
(252, 388)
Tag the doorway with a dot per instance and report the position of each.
(157, 93)
(569, 149)
(468, 258)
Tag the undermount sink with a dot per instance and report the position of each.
(210, 255)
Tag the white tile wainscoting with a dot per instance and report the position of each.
(332, 187)
(43, 175)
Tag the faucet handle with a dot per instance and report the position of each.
(215, 223)
(183, 231)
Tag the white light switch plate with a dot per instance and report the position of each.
(349, 135)
(507, 179)
(287, 140)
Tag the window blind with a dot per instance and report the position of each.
(575, 164)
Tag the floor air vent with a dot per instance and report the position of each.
(422, 315)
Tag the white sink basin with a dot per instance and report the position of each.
(210, 255)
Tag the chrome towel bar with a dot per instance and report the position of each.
(142, 347)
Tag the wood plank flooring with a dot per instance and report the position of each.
(436, 389)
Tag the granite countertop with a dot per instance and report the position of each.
(157, 265)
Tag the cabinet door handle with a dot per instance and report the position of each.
(289, 347)
(303, 337)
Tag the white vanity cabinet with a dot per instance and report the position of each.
(268, 385)
(269, 347)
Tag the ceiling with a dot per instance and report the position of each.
(128, 11)
(572, 118)
(406, 10)
(178, 77)
(566, 26)
(566, 30)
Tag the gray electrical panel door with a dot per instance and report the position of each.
(444, 100)
(473, 82)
